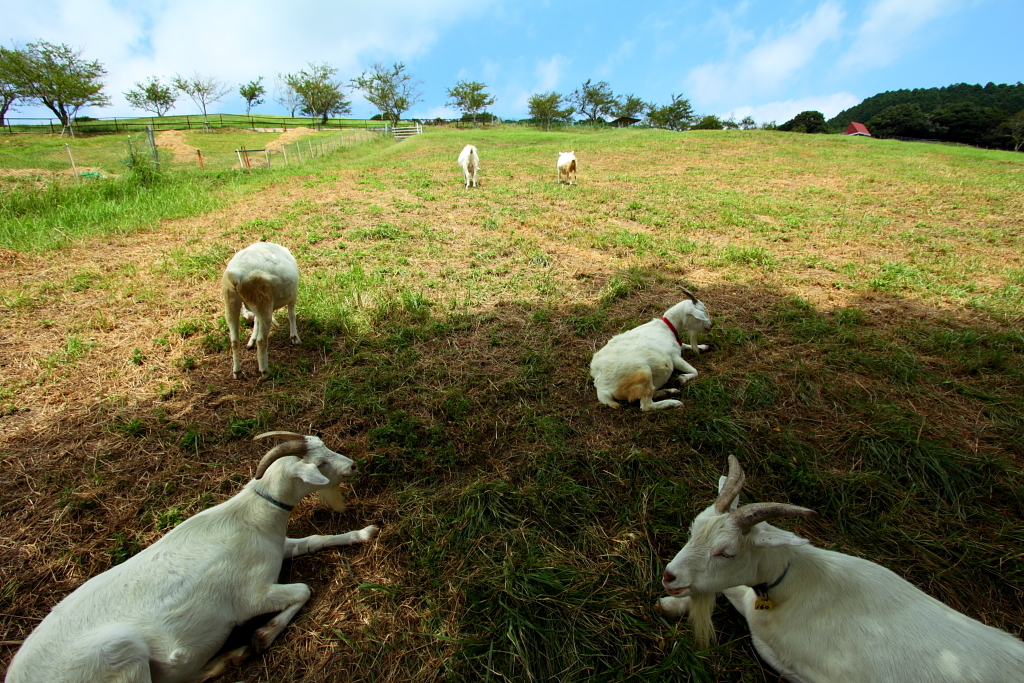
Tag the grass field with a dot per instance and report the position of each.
(867, 361)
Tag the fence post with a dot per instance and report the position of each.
(267, 155)
(241, 164)
(201, 166)
(311, 155)
(284, 150)
(152, 146)
(74, 170)
(298, 146)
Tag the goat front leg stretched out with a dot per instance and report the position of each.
(293, 547)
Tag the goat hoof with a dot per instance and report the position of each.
(368, 533)
(262, 637)
(296, 340)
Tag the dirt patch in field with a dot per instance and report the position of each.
(174, 141)
(288, 137)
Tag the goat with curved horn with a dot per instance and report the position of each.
(731, 488)
(693, 297)
(823, 616)
(297, 447)
(747, 516)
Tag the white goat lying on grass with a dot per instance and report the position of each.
(163, 614)
(818, 616)
(469, 160)
(259, 279)
(566, 166)
(633, 365)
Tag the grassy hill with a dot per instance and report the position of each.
(867, 362)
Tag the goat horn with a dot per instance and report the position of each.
(749, 515)
(693, 297)
(290, 447)
(287, 436)
(731, 487)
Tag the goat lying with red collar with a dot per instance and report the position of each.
(634, 365)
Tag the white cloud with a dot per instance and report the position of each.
(769, 66)
(783, 111)
(621, 54)
(549, 72)
(232, 41)
(888, 27)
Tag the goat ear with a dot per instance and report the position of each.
(308, 473)
(776, 538)
(735, 501)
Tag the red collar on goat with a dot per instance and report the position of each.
(673, 328)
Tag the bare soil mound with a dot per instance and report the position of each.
(174, 142)
(288, 137)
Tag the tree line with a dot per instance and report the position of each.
(64, 81)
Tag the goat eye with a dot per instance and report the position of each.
(723, 553)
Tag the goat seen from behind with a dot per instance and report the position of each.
(634, 365)
(469, 160)
(163, 614)
(818, 616)
(261, 278)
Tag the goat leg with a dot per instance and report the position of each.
(287, 597)
(220, 664)
(293, 547)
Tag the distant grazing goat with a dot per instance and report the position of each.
(260, 279)
(469, 160)
(566, 166)
(633, 365)
(818, 616)
(162, 615)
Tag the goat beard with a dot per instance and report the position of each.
(332, 497)
(701, 606)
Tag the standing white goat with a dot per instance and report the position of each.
(261, 278)
(818, 616)
(633, 365)
(469, 160)
(566, 166)
(162, 615)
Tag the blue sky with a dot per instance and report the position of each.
(769, 60)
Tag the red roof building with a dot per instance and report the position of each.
(857, 129)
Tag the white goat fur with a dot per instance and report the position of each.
(161, 615)
(258, 280)
(566, 166)
(469, 160)
(634, 365)
(835, 618)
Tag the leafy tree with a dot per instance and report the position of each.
(903, 120)
(151, 96)
(594, 100)
(203, 90)
(748, 123)
(391, 90)
(630, 106)
(709, 122)
(805, 122)
(548, 107)
(8, 96)
(676, 115)
(318, 93)
(730, 124)
(286, 95)
(968, 123)
(1013, 126)
(470, 97)
(252, 92)
(55, 76)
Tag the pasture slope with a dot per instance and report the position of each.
(868, 363)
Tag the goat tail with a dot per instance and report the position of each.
(255, 288)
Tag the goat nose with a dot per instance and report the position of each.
(668, 577)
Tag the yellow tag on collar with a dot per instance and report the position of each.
(764, 604)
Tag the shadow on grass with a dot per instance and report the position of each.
(525, 525)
